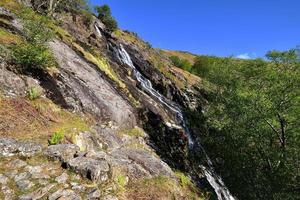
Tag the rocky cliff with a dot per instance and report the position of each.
(119, 141)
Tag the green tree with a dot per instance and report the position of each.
(254, 125)
(105, 15)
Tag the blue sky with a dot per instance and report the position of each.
(213, 27)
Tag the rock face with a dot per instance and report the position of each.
(84, 88)
(11, 147)
(62, 152)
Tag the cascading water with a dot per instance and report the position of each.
(215, 181)
(98, 31)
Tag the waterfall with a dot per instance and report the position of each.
(98, 31)
(147, 86)
(215, 181)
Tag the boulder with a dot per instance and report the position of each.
(62, 152)
(95, 170)
(11, 147)
(64, 194)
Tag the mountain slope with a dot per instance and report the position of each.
(90, 110)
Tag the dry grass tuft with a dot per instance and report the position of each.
(37, 120)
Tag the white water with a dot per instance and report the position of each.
(98, 31)
(214, 180)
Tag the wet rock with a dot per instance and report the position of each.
(38, 194)
(24, 184)
(95, 194)
(95, 170)
(65, 195)
(10, 147)
(62, 178)
(3, 179)
(62, 152)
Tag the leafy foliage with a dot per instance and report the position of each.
(33, 93)
(32, 56)
(105, 15)
(253, 124)
(33, 53)
(56, 138)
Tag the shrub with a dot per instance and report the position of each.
(56, 138)
(36, 32)
(181, 63)
(32, 56)
(33, 93)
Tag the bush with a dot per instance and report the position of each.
(32, 56)
(104, 14)
(56, 138)
(36, 32)
(33, 93)
(181, 63)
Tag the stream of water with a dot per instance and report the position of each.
(215, 181)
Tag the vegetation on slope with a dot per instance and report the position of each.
(252, 129)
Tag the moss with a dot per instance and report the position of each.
(7, 38)
(11, 5)
(135, 132)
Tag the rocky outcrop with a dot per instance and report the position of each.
(83, 87)
(11, 147)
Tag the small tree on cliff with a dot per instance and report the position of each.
(104, 14)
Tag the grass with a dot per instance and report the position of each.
(159, 188)
(7, 38)
(11, 5)
(56, 138)
(33, 93)
(135, 132)
(38, 119)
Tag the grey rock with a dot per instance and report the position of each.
(61, 152)
(25, 184)
(21, 176)
(43, 182)
(3, 179)
(40, 176)
(17, 163)
(110, 197)
(95, 194)
(34, 169)
(84, 88)
(62, 178)
(10, 147)
(8, 193)
(79, 188)
(11, 174)
(95, 170)
(66, 194)
(152, 164)
(38, 194)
